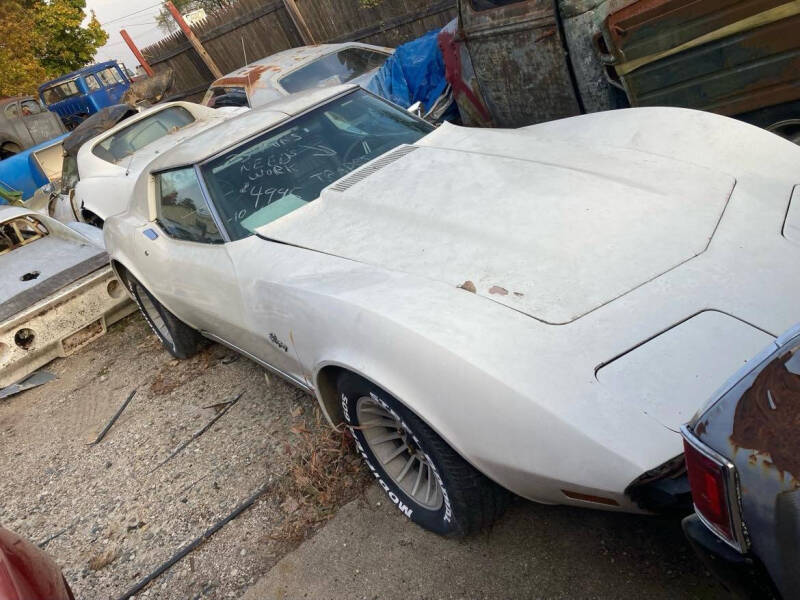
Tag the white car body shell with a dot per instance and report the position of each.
(105, 187)
(261, 79)
(615, 284)
(60, 288)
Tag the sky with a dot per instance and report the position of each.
(138, 18)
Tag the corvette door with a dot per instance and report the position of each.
(183, 256)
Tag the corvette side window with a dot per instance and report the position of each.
(182, 210)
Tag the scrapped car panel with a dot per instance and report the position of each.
(752, 424)
(58, 292)
(29, 170)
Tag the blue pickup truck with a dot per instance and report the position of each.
(81, 93)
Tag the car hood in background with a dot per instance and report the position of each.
(548, 228)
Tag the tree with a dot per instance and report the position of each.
(164, 18)
(64, 45)
(44, 39)
(20, 71)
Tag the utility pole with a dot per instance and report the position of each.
(147, 68)
(299, 22)
(212, 66)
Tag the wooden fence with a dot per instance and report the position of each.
(258, 28)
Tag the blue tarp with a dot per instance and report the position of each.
(414, 73)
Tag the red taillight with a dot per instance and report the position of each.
(708, 480)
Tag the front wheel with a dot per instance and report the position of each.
(178, 338)
(423, 477)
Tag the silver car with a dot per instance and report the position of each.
(487, 310)
(296, 70)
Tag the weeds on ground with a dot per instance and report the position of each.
(326, 473)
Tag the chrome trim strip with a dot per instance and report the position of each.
(211, 206)
(732, 493)
(289, 378)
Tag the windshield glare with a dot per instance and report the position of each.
(333, 69)
(287, 167)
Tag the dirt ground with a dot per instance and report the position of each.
(111, 513)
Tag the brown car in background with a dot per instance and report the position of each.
(25, 123)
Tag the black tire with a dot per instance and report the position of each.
(469, 500)
(180, 340)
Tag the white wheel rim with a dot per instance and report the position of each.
(401, 458)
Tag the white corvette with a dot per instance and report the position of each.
(534, 310)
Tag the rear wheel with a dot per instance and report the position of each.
(423, 477)
(178, 338)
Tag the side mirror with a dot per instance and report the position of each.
(416, 108)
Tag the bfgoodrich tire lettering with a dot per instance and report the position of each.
(408, 460)
(178, 338)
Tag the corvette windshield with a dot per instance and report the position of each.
(287, 167)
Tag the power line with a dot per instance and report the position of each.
(136, 12)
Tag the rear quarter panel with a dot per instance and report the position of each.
(754, 424)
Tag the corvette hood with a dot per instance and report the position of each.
(548, 228)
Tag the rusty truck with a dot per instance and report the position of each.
(518, 62)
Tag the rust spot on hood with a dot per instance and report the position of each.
(767, 417)
(500, 291)
(469, 286)
(245, 78)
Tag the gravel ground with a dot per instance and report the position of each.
(115, 512)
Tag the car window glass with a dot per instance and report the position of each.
(333, 69)
(489, 4)
(287, 167)
(30, 107)
(92, 83)
(60, 92)
(109, 76)
(139, 134)
(11, 110)
(182, 210)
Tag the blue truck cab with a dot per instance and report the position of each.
(81, 93)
